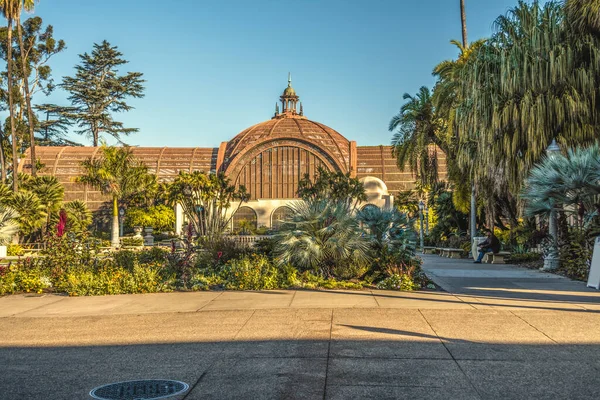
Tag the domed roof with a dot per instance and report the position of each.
(292, 128)
(289, 91)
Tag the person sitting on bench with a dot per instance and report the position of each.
(491, 244)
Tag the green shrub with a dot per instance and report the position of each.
(250, 273)
(398, 282)
(576, 254)
(200, 281)
(335, 284)
(288, 277)
(521, 258)
(265, 247)
(309, 280)
(125, 259)
(161, 217)
(109, 279)
(23, 277)
(153, 255)
(217, 251)
(132, 241)
(14, 250)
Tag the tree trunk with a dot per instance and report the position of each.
(463, 20)
(11, 109)
(27, 99)
(114, 237)
(2, 160)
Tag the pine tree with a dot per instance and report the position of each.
(97, 90)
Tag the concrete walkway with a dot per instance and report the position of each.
(523, 341)
(508, 286)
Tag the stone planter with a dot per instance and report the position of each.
(138, 231)
(148, 238)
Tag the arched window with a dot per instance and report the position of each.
(275, 172)
(244, 221)
(279, 216)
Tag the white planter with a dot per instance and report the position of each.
(2, 251)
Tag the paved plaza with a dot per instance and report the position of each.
(499, 332)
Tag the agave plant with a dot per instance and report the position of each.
(319, 236)
(9, 225)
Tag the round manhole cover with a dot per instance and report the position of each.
(139, 390)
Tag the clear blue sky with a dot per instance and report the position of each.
(213, 68)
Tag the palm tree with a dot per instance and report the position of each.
(118, 174)
(206, 200)
(8, 224)
(463, 21)
(10, 9)
(418, 129)
(319, 236)
(28, 5)
(534, 80)
(50, 192)
(32, 213)
(79, 217)
(2, 159)
(584, 14)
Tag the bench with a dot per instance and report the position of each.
(429, 250)
(453, 253)
(495, 258)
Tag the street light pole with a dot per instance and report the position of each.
(121, 218)
(421, 207)
(426, 220)
(473, 213)
(551, 261)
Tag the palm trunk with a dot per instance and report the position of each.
(11, 109)
(2, 160)
(463, 20)
(115, 242)
(27, 99)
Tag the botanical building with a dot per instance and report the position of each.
(268, 158)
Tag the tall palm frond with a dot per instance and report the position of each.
(584, 15)
(417, 136)
(32, 215)
(9, 225)
(79, 217)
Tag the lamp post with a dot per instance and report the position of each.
(426, 220)
(121, 218)
(551, 261)
(421, 207)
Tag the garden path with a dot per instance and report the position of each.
(508, 286)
